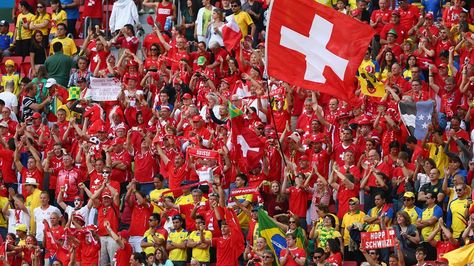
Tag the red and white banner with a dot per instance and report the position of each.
(231, 33)
(243, 191)
(315, 47)
(202, 153)
(378, 239)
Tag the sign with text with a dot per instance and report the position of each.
(243, 191)
(104, 89)
(378, 239)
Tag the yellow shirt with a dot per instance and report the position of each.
(414, 214)
(178, 237)
(69, 47)
(31, 202)
(438, 155)
(244, 20)
(22, 33)
(16, 82)
(457, 211)
(40, 19)
(348, 220)
(60, 17)
(147, 237)
(426, 215)
(184, 199)
(199, 254)
(155, 195)
(3, 219)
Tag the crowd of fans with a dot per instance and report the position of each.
(87, 182)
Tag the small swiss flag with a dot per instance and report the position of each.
(231, 33)
(318, 49)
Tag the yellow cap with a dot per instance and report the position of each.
(9, 62)
(409, 194)
(21, 227)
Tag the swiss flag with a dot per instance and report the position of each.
(318, 49)
(231, 33)
(246, 149)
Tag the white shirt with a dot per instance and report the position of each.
(84, 212)
(16, 217)
(10, 99)
(41, 215)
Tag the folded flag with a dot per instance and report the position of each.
(416, 117)
(461, 256)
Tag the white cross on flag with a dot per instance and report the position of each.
(315, 47)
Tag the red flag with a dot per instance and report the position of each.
(231, 33)
(319, 49)
(247, 149)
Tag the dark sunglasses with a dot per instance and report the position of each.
(316, 257)
(458, 189)
(266, 257)
(153, 49)
(292, 222)
(372, 253)
(407, 199)
(39, 6)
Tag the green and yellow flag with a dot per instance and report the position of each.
(273, 235)
(234, 111)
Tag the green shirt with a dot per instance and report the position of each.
(59, 67)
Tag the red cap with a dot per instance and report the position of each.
(197, 118)
(364, 120)
(396, 13)
(165, 107)
(118, 141)
(132, 63)
(187, 96)
(106, 194)
(36, 115)
(272, 135)
(320, 137)
(304, 158)
(442, 65)
(356, 12)
(429, 16)
(121, 126)
(124, 234)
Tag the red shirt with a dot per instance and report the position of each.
(6, 164)
(443, 247)
(298, 198)
(140, 215)
(163, 11)
(187, 210)
(69, 179)
(36, 174)
(125, 158)
(339, 150)
(94, 57)
(409, 17)
(294, 252)
(130, 43)
(177, 175)
(211, 221)
(145, 167)
(384, 14)
(90, 253)
(109, 213)
(92, 9)
(122, 255)
(335, 259)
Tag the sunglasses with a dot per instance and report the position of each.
(39, 6)
(266, 257)
(372, 253)
(153, 49)
(458, 189)
(428, 197)
(151, 220)
(234, 5)
(352, 203)
(407, 199)
(292, 222)
(317, 257)
(105, 172)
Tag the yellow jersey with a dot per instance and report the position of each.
(57, 18)
(3, 219)
(427, 213)
(457, 219)
(38, 19)
(178, 237)
(69, 47)
(31, 202)
(244, 20)
(148, 237)
(199, 254)
(22, 33)
(155, 196)
(348, 220)
(16, 82)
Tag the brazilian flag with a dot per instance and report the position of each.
(274, 236)
(234, 111)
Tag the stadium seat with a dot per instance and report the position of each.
(25, 69)
(349, 263)
(78, 42)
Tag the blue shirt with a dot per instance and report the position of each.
(72, 13)
(5, 40)
(432, 6)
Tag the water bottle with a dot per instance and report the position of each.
(168, 23)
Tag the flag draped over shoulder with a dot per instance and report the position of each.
(461, 256)
(273, 235)
(237, 236)
(416, 117)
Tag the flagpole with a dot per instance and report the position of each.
(274, 123)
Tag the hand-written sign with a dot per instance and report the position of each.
(378, 239)
(104, 89)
